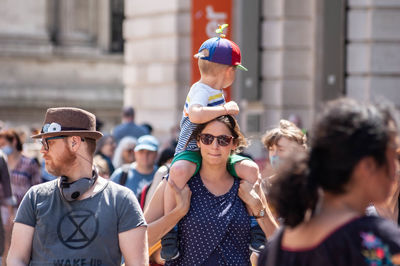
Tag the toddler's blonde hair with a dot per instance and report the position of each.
(207, 67)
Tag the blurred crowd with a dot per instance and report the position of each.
(131, 156)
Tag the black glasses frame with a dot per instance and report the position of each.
(45, 144)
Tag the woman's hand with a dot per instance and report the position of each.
(182, 197)
(251, 196)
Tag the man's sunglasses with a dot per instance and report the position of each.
(45, 144)
(222, 140)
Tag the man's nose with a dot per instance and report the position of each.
(42, 149)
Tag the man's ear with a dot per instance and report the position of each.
(75, 142)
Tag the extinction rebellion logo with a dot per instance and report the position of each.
(78, 228)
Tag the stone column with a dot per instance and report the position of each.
(287, 70)
(373, 50)
(157, 61)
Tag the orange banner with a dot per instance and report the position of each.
(206, 16)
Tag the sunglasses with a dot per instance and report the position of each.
(222, 140)
(45, 144)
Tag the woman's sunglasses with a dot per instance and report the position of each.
(222, 140)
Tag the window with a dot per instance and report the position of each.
(117, 17)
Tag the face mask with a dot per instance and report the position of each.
(274, 161)
(7, 150)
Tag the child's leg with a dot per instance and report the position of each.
(180, 173)
(247, 170)
(182, 169)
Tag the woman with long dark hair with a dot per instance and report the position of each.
(322, 197)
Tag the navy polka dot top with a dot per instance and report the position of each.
(216, 230)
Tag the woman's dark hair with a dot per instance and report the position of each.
(148, 127)
(231, 124)
(10, 135)
(166, 154)
(101, 142)
(345, 133)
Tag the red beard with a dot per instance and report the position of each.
(58, 166)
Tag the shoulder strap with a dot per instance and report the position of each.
(124, 176)
(274, 246)
(143, 195)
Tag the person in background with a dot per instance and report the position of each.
(174, 134)
(140, 173)
(322, 196)
(128, 127)
(7, 200)
(148, 127)
(280, 143)
(24, 171)
(163, 165)
(46, 176)
(104, 154)
(389, 208)
(99, 125)
(125, 152)
(80, 218)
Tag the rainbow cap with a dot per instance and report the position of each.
(222, 51)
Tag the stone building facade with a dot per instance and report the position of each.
(307, 52)
(300, 53)
(59, 53)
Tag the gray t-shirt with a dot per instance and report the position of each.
(83, 232)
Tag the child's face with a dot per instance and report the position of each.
(230, 75)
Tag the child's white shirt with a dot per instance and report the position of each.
(200, 94)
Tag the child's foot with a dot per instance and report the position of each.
(169, 245)
(257, 239)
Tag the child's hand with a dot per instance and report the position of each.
(232, 108)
